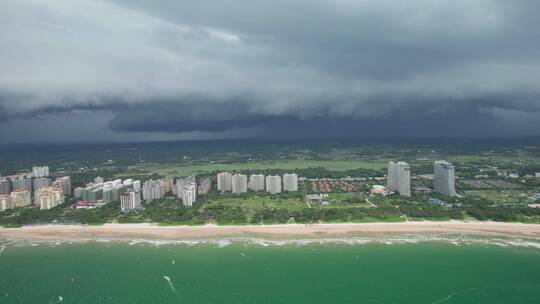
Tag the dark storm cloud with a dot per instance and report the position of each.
(193, 116)
(283, 68)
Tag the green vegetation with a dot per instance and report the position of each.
(191, 168)
(482, 167)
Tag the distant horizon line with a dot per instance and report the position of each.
(283, 140)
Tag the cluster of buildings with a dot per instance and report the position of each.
(132, 193)
(184, 188)
(38, 189)
(238, 183)
(105, 191)
(398, 179)
(33, 188)
(100, 192)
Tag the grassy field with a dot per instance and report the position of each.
(259, 203)
(184, 170)
(338, 200)
(502, 196)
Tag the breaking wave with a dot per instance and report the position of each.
(456, 240)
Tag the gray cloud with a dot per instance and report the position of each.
(184, 66)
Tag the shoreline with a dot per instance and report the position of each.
(54, 232)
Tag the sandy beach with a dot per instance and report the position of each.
(155, 232)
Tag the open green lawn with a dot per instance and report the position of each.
(259, 203)
(340, 200)
(184, 170)
(502, 196)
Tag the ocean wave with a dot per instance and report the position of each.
(456, 240)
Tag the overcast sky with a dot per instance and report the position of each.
(130, 70)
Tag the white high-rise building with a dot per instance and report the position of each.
(22, 184)
(404, 179)
(224, 182)
(65, 183)
(169, 184)
(5, 202)
(444, 178)
(153, 190)
(391, 177)
(38, 171)
(130, 200)
(49, 197)
(77, 193)
(41, 182)
(273, 184)
(20, 198)
(256, 182)
(290, 182)
(399, 178)
(205, 186)
(189, 194)
(5, 186)
(239, 183)
(181, 182)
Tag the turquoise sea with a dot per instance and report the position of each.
(414, 269)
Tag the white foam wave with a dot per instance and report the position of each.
(456, 240)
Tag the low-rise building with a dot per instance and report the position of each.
(321, 198)
(87, 205)
(422, 190)
(380, 190)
